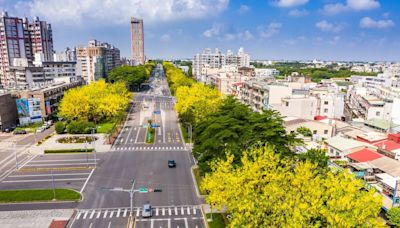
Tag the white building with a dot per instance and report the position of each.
(217, 59)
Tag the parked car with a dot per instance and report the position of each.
(147, 211)
(171, 163)
(20, 132)
(41, 129)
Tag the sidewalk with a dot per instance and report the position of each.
(52, 144)
(33, 218)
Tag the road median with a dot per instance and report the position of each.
(38, 195)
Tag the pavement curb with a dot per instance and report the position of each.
(204, 217)
(195, 183)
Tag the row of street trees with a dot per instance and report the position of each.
(132, 76)
(248, 166)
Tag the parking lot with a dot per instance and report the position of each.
(44, 171)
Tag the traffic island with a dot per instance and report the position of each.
(216, 220)
(38, 195)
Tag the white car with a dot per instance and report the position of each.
(40, 129)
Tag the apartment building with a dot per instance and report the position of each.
(137, 39)
(259, 94)
(96, 60)
(67, 55)
(21, 39)
(8, 112)
(217, 59)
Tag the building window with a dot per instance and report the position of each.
(315, 132)
(326, 102)
(325, 110)
(287, 104)
(325, 132)
(378, 113)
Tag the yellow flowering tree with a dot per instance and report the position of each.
(267, 191)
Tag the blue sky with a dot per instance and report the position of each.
(267, 29)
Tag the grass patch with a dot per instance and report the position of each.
(106, 127)
(30, 195)
(30, 128)
(199, 179)
(68, 151)
(218, 220)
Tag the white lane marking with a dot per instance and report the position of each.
(61, 164)
(182, 211)
(92, 214)
(163, 211)
(188, 211)
(86, 213)
(98, 214)
(194, 210)
(44, 175)
(186, 223)
(126, 211)
(78, 215)
(176, 211)
(138, 212)
(109, 225)
(44, 180)
(169, 223)
(169, 211)
(111, 214)
(119, 211)
(90, 226)
(87, 180)
(156, 211)
(67, 160)
(152, 223)
(105, 214)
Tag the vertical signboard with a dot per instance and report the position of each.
(23, 111)
(35, 112)
(48, 107)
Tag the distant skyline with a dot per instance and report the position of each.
(363, 30)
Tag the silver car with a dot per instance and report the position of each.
(147, 211)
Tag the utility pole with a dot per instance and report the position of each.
(131, 192)
(94, 148)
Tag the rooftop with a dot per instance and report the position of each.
(343, 144)
(388, 145)
(364, 155)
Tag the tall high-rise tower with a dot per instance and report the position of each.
(137, 40)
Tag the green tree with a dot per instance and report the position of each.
(235, 127)
(268, 191)
(304, 131)
(393, 216)
(132, 76)
(317, 157)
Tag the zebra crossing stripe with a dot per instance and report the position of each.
(86, 213)
(111, 214)
(169, 211)
(91, 215)
(176, 211)
(163, 211)
(79, 215)
(137, 212)
(182, 211)
(194, 210)
(105, 214)
(119, 210)
(98, 214)
(126, 211)
(188, 210)
(156, 211)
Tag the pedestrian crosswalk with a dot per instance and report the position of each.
(167, 211)
(150, 148)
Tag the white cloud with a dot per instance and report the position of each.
(165, 38)
(368, 22)
(213, 31)
(229, 37)
(269, 30)
(329, 27)
(363, 4)
(351, 5)
(120, 11)
(243, 9)
(243, 36)
(334, 40)
(290, 3)
(246, 35)
(298, 13)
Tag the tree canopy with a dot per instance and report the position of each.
(268, 191)
(95, 102)
(393, 216)
(176, 78)
(132, 76)
(235, 127)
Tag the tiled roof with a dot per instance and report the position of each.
(388, 145)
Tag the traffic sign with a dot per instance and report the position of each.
(143, 190)
(153, 125)
(157, 112)
(145, 125)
